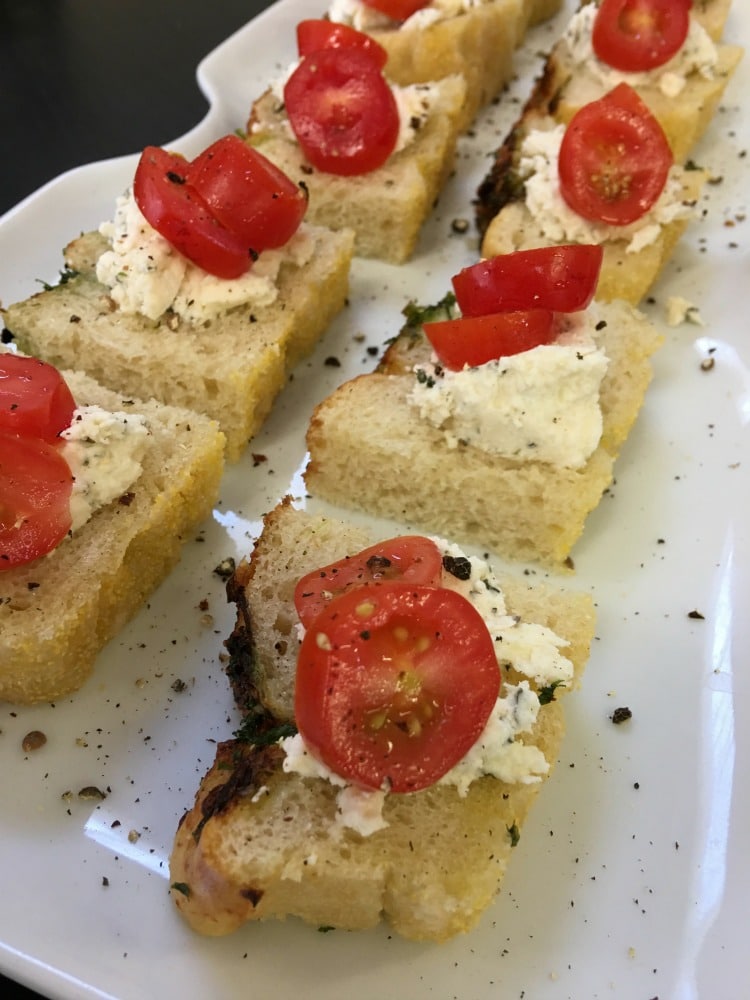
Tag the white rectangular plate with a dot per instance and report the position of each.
(631, 876)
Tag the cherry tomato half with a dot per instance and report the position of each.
(176, 210)
(35, 488)
(561, 278)
(247, 194)
(640, 35)
(395, 684)
(614, 159)
(475, 340)
(342, 111)
(315, 34)
(35, 400)
(398, 10)
(407, 559)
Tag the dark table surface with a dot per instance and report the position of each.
(85, 80)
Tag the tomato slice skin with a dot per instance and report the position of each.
(35, 400)
(561, 278)
(398, 10)
(247, 194)
(342, 111)
(411, 559)
(475, 340)
(614, 159)
(35, 488)
(395, 683)
(640, 35)
(176, 210)
(314, 34)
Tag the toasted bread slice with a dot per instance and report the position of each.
(230, 369)
(387, 207)
(506, 224)
(261, 842)
(57, 612)
(370, 450)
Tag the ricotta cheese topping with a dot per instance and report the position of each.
(559, 223)
(698, 55)
(541, 404)
(146, 275)
(359, 15)
(533, 650)
(104, 451)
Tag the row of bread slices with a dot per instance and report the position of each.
(211, 281)
(496, 416)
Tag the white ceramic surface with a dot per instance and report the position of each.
(631, 876)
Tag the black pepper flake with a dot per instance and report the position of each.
(332, 362)
(621, 715)
(697, 615)
(32, 586)
(174, 177)
(126, 499)
(458, 566)
(258, 459)
(105, 881)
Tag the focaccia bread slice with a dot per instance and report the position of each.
(370, 450)
(387, 207)
(263, 843)
(231, 368)
(506, 224)
(684, 105)
(57, 612)
(477, 43)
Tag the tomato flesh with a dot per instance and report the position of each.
(395, 683)
(314, 34)
(410, 559)
(475, 340)
(35, 488)
(614, 159)
(247, 194)
(342, 111)
(34, 398)
(640, 35)
(561, 278)
(176, 210)
(398, 10)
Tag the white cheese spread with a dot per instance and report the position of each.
(533, 650)
(146, 275)
(365, 18)
(698, 54)
(104, 451)
(541, 405)
(538, 168)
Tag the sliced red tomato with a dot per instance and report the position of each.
(640, 35)
(614, 159)
(342, 111)
(407, 559)
(395, 684)
(35, 400)
(315, 34)
(475, 340)
(35, 488)
(398, 10)
(176, 210)
(562, 278)
(247, 194)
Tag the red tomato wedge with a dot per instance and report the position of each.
(342, 111)
(640, 35)
(247, 194)
(176, 210)
(315, 34)
(475, 340)
(395, 683)
(35, 488)
(614, 159)
(35, 400)
(561, 278)
(411, 559)
(398, 10)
